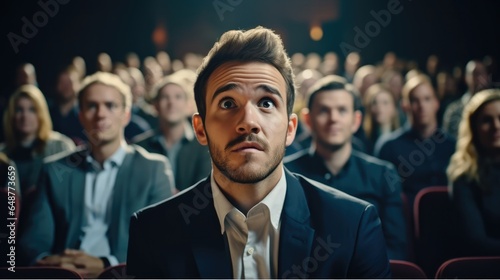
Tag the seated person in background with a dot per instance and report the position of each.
(476, 78)
(381, 116)
(81, 214)
(474, 174)
(419, 150)
(29, 137)
(64, 107)
(251, 218)
(174, 136)
(333, 116)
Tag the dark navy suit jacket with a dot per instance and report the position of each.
(324, 233)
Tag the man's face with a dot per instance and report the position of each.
(477, 77)
(332, 119)
(246, 124)
(66, 86)
(423, 105)
(103, 114)
(488, 127)
(171, 104)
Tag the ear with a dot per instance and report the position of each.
(358, 117)
(156, 105)
(306, 117)
(199, 129)
(291, 129)
(126, 118)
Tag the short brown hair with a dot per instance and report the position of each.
(255, 45)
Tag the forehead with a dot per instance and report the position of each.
(421, 91)
(101, 92)
(171, 89)
(490, 108)
(333, 98)
(245, 74)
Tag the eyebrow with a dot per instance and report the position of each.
(231, 86)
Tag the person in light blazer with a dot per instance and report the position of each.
(81, 214)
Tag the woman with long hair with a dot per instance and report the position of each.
(381, 114)
(29, 137)
(474, 174)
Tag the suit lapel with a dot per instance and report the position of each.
(210, 248)
(118, 208)
(296, 234)
(76, 189)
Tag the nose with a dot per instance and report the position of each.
(334, 115)
(101, 111)
(248, 122)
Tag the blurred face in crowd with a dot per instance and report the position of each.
(26, 121)
(332, 118)
(488, 126)
(66, 85)
(383, 108)
(171, 104)
(246, 126)
(423, 105)
(476, 76)
(103, 114)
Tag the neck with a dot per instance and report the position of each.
(27, 140)
(385, 128)
(246, 196)
(101, 152)
(173, 132)
(425, 130)
(335, 159)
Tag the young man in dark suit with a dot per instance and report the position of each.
(80, 217)
(252, 218)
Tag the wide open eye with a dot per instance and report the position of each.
(267, 103)
(227, 103)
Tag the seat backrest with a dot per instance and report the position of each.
(470, 267)
(38, 273)
(115, 272)
(406, 270)
(435, 242)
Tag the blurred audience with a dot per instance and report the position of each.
(333, 116)
(174, 136)
(381, 116)
(64, 106)
(476, 78)
(474, 175)
(80, 216)
(29, 137)
(420, 150)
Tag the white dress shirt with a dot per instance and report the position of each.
(99, 184)
(253, 239)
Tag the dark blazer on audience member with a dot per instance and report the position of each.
(55, 221)
(364, 177)
(193, 160)
(333, 234)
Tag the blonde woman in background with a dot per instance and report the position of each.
(381, 115)
(29, 137)
(474, 174)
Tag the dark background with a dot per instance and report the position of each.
(456, 31)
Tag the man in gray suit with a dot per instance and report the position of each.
(80, 218)
(174, 137)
